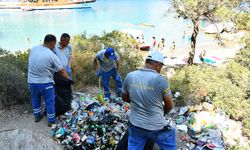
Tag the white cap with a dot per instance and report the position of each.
(156, 56)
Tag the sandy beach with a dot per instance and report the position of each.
(214, 51)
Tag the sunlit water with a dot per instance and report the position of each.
(105, 15)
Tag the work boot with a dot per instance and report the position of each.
(38, 118)
(119, 94)
(50, 124)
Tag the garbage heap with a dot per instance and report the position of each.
(204, 127)
(91, 125)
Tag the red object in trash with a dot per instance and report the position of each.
(210, 145)
(76, 137)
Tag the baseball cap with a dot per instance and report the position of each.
(110, 52)
(156, 56)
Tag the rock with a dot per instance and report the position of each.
(207, 106)
(214, 28)
(23, 139)
(219, 27)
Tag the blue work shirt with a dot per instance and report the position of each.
(106, 64)
(146, 89)
(63, 54)
(42, 65)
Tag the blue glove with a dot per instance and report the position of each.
(118, 77)
(68, 70)
(98, 73)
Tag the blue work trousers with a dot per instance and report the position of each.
(105, 82)
(48, 93)
(165, 138)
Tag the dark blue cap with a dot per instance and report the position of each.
(110, 52)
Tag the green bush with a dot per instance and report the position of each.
(239, 75)
(13, 84)
(242, 20)
(85, 50)
(226, 87)
(243, 57)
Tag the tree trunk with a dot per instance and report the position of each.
(193, 39)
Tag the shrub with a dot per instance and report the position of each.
(239, 75)
(85, 50)
(243, 57)
(13, 84)
(197, 82)
(226, 87)
(242, 20)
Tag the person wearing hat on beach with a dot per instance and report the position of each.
(109, 65)
(149, 95)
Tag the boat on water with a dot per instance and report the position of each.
(30, 5)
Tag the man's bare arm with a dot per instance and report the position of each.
(64, 74)
(70, 61)
(95, 63)
(117, 66)
(169, 104)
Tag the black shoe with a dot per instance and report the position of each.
(37, 119)
(119, 94)
(50, 124)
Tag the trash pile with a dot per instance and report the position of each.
(204, 127)
(91, 125)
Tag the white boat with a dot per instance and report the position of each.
(58, 5)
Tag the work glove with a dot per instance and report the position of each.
(98, 73)
(118, 77)
(68, 70)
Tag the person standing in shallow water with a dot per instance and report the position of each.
(63, 50)
(161, 45)
(172, 49)
(153, 43)
(42, 65)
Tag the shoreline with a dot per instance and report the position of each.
(215, 52)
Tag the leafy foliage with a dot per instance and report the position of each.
(226, 87)
(85, 50)
(13, 84)
(211, 10)
(243, 57)
(242, 20)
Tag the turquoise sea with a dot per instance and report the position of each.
(104, 15)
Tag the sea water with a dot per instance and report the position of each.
(20, 30)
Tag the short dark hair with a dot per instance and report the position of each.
(153, 37)
(49, 38)
(149, 61)
(65, 35)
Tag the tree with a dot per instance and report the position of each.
(210, 10)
